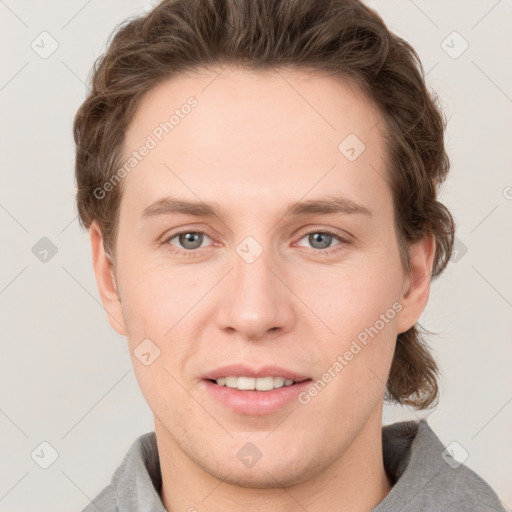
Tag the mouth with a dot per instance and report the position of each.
(245, 383)
(249, 391)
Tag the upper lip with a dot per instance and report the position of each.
(243, 370)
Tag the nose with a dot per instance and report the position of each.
(256, 301)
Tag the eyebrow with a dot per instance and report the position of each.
(322, 206)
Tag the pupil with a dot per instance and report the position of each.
(323, 238)
(189, 239)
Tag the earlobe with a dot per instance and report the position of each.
(105, 280)
(417, 284)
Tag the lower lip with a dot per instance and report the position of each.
(255, 402)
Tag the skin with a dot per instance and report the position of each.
(295, 306)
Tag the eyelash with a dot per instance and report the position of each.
(196, 252)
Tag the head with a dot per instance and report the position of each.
(248, 108)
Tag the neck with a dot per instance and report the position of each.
(355, 482)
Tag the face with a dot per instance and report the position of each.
(286, 269)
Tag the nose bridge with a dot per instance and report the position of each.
(252, 275)
(254, 299)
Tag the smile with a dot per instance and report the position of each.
(254, 383)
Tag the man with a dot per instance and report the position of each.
(259, 181)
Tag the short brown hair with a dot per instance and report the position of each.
(342, 37)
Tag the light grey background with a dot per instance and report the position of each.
(66, 377)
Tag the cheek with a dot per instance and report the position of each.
(352, 297)
(159, 304)
(155, 297)
(155, 302)
(360, 305)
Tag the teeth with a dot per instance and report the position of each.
(279, 382)
(252, 383)
(246, 383)
(231, 382)
(263, 384)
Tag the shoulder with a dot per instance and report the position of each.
(427, 477)
(462, 489)
(136, 479)
(105, 501)
(458, 485)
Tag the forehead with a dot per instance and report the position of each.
(255, 134)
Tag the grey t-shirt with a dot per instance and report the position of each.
(423, 477)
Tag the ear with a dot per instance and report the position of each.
(416, 287)
(105, 280)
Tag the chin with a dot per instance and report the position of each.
(262, 478)
(267, 473)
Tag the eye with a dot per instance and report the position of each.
(188, 241)
(322, 240)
